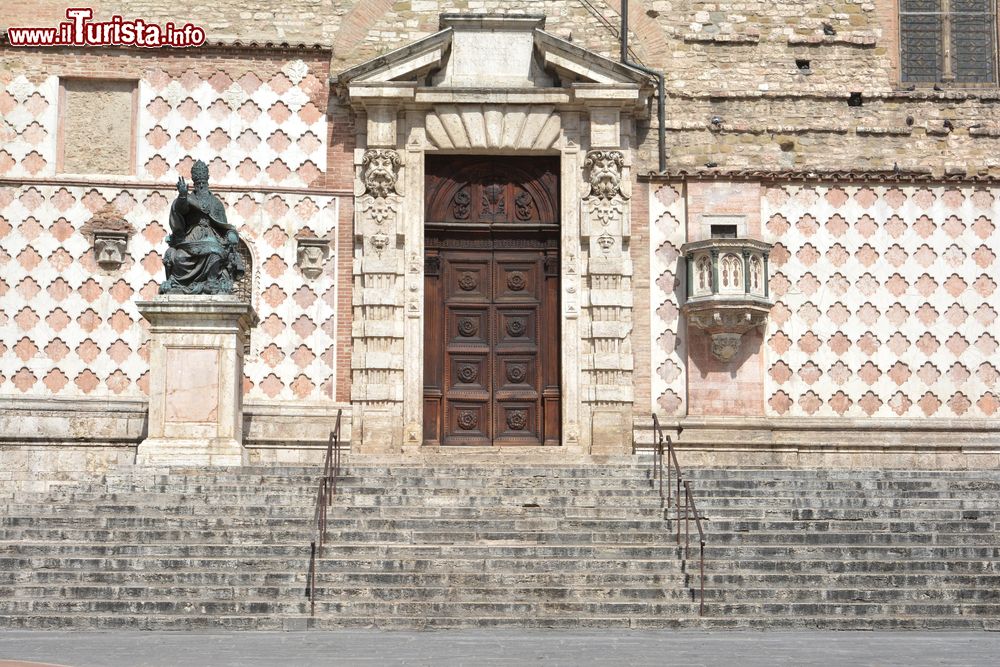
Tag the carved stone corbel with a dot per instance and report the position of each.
(311, 254)
(109, 233)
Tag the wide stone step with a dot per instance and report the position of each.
(138, 520)
(605, 594)
(537, 535)
(390, 562)
(332, 593)
(96, 529)
(838, 552)
(812, 565)
(438, 609)
(340, 549)
(215, 580)
(342, 621)
(860, 537)
(969, 525)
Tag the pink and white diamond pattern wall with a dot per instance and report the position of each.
(668, 213)
(262, 127)
(70, 329)
(27, 127)
(885, 301)
(256, 129)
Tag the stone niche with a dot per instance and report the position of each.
(196, 379)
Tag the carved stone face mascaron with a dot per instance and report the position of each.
(380, 166)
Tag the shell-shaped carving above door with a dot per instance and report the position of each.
(469, 126)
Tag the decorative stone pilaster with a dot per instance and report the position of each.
(378, 303)
(607, 362)
(196, 379)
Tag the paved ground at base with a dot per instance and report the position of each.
(480, 648)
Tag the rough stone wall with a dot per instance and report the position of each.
(733, 60)
(104, 147)
(69, 328)
(885, 300)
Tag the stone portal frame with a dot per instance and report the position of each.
(588, 122)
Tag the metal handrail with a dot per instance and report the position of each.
(658, 448)
(663, 443)
(324, 498)
(689, 509)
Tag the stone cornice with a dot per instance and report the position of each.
(821, 176)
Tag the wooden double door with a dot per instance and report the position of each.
(491, 346)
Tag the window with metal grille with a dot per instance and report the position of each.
(948, 41)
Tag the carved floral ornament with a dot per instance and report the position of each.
(516, 327)
(467, 281)
(517, 372)
(516, 281)
(467, 420)
(517, 420)
(468, 373)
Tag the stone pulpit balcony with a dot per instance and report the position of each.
(727, 292)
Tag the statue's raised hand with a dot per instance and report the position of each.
(182, 186)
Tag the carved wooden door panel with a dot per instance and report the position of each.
(491, 344)
(492, 348)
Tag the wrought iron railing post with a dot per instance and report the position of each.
(690, 508)
(324, 499)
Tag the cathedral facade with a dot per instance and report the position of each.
(482, 232)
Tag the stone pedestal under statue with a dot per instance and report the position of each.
(196, 379)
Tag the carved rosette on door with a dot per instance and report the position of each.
(491, 344)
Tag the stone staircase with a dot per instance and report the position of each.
(441, 546)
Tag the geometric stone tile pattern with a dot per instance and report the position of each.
(885, 301)
(28, 115)
(262, 129)
(263, 126)
(67, 328)
(667, 216)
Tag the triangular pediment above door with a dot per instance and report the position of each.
(490, 53)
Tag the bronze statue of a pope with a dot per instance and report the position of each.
(203, 255)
